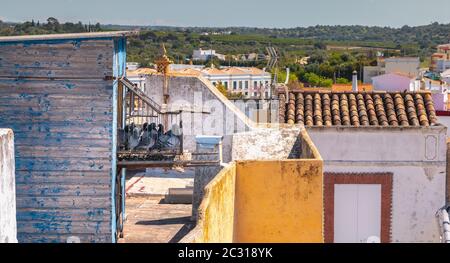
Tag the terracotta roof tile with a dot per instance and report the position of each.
(357, 109)
(300, 106)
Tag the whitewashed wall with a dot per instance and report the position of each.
(8, 225)
(445, 120)
(415, 156)
(205, 110)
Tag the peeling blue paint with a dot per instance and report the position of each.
(37, 121)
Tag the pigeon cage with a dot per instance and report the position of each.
(146, 131)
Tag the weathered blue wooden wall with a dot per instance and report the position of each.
(63, 136)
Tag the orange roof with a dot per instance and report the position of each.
(141, 71)
(186, 72)
(234, 71)
(213, 71)
(253, 71)
(348, 87)
(343, 108)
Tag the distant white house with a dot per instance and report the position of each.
(445, 76)
(205, 54)
(393, 82)
(440, 61)
(409, 66)
(133, 65)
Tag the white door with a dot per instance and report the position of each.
(357, 213)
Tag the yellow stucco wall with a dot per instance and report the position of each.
(216, 212)
(279, 201)
(263, 201)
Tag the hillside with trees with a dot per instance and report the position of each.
(334, 51)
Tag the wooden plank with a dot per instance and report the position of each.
(57, 127)
(26, 93)
(66, 202)
(20, 52)
(68, 74)
(58, 116)
(62, 178)
(75, 45)
(54, 62)
(54, 104)
(61, 135)
(58, 97)
(62, 164)
(75, 142)
(59, 190)
(66, 215)
(62, 238)
(63, 227)
(61, 151)
(44, 129)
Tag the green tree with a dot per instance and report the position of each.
(342, 81)
(222, 88)
(53, 24)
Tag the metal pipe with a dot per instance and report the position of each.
(444, 223)
(148, 164)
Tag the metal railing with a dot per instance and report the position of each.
(140, 109)
(136, 108)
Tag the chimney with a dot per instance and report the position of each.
(355, 81)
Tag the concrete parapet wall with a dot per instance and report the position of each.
(8, 225)
(274, 143)
(216, 213)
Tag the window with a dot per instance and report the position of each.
(234, 84)
(214, 83)
(240, 84)
(266, 94)
(255, 84)
(226, 84)
(246, 84)
(255, 94)
(246, 93)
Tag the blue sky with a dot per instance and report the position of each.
(253, 13)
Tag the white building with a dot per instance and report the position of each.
(440, 61)
(205, 54)
(249, 81)
(393, 82)
(446, 76)
(138, 76)
(405, 65)
(133, 65)
(384, 162)
(442, 65)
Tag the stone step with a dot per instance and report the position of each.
(179, 196)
